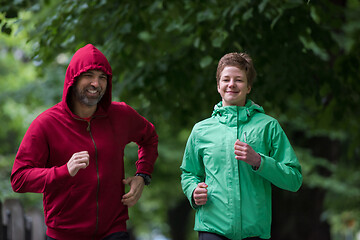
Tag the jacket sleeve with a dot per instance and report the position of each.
(143, 133)
(29, 173)
(192, 168)
(281, 167)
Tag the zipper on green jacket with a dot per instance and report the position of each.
(237, 123)
(237, 224)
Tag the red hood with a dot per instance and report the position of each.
(86, 58)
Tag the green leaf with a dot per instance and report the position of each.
(205, 61)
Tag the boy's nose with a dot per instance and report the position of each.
(231, 83)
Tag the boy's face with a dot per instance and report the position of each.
(233, 86)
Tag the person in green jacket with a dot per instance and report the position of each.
(232, 158)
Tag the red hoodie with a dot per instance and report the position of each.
(88, 205)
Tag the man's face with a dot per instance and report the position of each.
(90, 87)
(233, 86)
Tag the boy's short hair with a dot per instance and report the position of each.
(240, 60)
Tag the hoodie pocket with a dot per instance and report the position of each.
(78, 211)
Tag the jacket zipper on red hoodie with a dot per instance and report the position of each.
(88, 129)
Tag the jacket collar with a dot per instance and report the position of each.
(233, 114)
(100, 111)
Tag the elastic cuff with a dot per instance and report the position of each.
(261, 164)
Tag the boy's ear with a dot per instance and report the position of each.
(249, 89)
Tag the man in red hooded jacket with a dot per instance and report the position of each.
(73, 154)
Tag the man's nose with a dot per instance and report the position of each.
(95, 82)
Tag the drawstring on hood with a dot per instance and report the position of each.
(88, 58)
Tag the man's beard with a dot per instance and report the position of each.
(80, 95)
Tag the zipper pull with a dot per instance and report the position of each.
(245, 137)
(88, 127)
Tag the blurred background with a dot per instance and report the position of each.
(164, 56)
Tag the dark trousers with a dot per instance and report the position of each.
(114, 236)
(213, 236)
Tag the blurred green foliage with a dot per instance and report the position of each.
(164, 56)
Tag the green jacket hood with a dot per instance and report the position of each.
(243, 113)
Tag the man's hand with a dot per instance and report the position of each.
(244, 152)
(79, 160)
(200, 194)
(136, 184)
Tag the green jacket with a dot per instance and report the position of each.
(239, 197)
